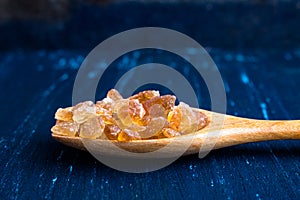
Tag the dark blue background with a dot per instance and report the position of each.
(256, 48)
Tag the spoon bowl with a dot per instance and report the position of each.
(221, 131)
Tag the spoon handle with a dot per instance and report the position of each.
(238, 130)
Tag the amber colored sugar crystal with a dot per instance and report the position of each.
(169, 132)
(145, 115)
(137, 112)
(66, 128)
(154, 127)
(104, 110)
(167, 102)
(92, 128)
(189, 121)
(83, 111)
(112, 131)
(114, 95)
(128, 135)
(202, 119)
(174, 118)
(64, 114)
(121, 114)
(145, 95)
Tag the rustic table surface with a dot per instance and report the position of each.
(35, 84)
(260, 83)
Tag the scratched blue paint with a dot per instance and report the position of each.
(227, 87)
(244, 78)
(208, 174)
(40, 68)
(62, 62)
(136, 55)
(297, 53)
(92, 75)
(264, 110)
(228, 57)
(247, 161)
(73, 64)
(124, 63)
(240, 58)
(33, 166)
(64, 77)
(232, 103)
(288, 56)
(54, 180)
(212, 183)
(191, 51)
(186, 71)
(60, 155)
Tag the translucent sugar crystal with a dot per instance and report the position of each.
(120, 112)
(174, 118)
(145, 95)
(105, 111)
(64, 114)
(168, 132)
(65, 128)
(92, 128)
(157, 110)
(153, 128)
(189, 122)
(128, 135)
(201, 119)
(186, 120)
(105, 104)
(122, 117)
(107, 118)
(84, 111)
(136, 111)
(112, 131)
(114, 95)
(145, 115)
(167, 102)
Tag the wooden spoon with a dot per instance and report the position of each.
(227, 131)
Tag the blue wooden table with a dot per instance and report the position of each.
(260, 83)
